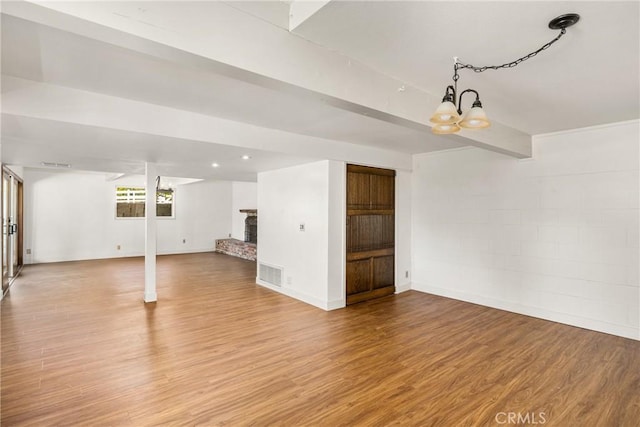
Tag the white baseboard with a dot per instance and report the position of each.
(47, 260)
(336, 304)
(403, 288)
(316, 302)
(567, 319)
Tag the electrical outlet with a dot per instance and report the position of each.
(118, 247)
(289, 280)
(184, 240)
(406, 274)
(28, 251)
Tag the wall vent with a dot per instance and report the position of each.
(270, 274)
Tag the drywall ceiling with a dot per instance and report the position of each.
(40, 53)
(394, 55)
(29, 142)
(589, 77)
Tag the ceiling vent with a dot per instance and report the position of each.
(56, 165)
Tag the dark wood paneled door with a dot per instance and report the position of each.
(370, 233)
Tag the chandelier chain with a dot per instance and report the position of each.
(511, 64)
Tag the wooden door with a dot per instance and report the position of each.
(370, 233)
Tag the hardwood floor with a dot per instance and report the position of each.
(79, 347)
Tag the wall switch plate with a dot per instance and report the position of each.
(302, 226)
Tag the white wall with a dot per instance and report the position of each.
(287, 198)
(403, 231)
(336, 246)
(555, 237)
(314, 260)
(71, 216)
(244, 195)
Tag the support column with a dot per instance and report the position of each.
(150, 230)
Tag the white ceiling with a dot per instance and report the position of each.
(590, 77)
(28, 142)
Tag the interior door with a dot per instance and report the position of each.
(370, 233)
(12, 200)
(15, 223)
(6, 185)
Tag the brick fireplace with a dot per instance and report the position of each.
(248, 248)
(250, 225)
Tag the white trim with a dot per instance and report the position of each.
(567, 319)
(120, 218)
(336, 304)
(403, 288)
(585, 129)
(127, 255)
(150, 297)
(316, 302)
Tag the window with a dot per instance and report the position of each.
(130, 202)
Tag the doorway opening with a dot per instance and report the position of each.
(12, 228)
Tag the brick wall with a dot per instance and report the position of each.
(237, 248)
(554, 237)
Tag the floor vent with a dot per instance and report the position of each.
(269, 274)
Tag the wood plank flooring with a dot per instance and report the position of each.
(79, 347)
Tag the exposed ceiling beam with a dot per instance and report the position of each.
(113, 177)
(280, 61)
(301, 10)
(49, 102)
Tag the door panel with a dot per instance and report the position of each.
(382, 192)
(358, 276)
(357, 190)
(370, 233)
(383, 271)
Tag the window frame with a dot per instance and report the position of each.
(143, 188)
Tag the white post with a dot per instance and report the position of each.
(150, 294)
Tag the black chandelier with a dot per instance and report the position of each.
(448, 116)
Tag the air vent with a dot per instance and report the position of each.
(270, 274)
(55, 165)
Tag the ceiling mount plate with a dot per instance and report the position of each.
(564, 21)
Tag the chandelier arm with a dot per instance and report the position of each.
(512, 63)
(460, 98)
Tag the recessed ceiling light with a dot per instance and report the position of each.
(246, 157)
(214, 165)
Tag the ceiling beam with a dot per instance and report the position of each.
(301, 10)
(44, 101)
(280, 61)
